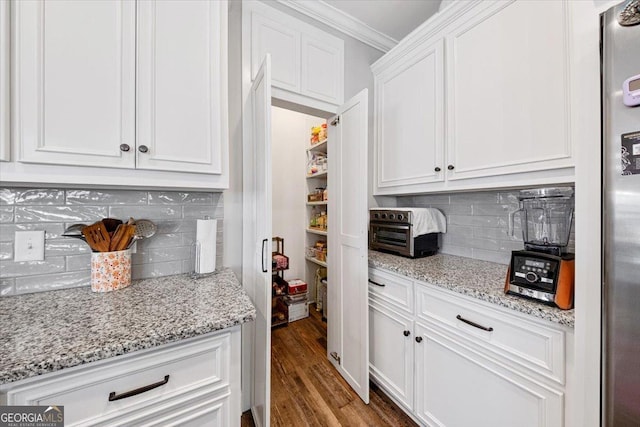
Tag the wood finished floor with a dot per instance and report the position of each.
(307, 391)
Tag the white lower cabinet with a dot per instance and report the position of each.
(453, 361)
(194, 382)
(391, 351)
(457, 387)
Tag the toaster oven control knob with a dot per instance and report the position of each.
(531, 277)
(383, 216)
(376, 216)
(400, 217)
(391, 216)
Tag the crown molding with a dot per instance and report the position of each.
(342, 22)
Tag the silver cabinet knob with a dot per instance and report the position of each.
(125, 147)
(143, 148)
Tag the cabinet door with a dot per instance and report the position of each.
(4, 81)
(456, 387)
(74, 82)
(508, 90)
(409, 123)
(322, 68)
(182, 68)
(282, 42)
(391, 352)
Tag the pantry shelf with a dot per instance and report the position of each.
(321, 146)
(316, 261)
(318, 232)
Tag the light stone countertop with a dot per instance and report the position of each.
(482, 280)
(48, 331)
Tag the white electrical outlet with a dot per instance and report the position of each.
(29, 246)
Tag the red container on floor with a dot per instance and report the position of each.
(297, 286)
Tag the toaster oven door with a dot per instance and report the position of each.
(391, 237)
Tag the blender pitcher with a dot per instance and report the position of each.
(546, 217)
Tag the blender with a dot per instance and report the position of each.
(544, 270)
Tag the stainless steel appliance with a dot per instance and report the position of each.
(620, 62)
(392, 231)
(544, 270)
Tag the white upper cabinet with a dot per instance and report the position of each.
(322, 67)
(74, 82)
(182, 121)
(306, 61)
(139, 85)
(5, 128)
(508, 91)
(504, 110)
(283, 43)
(409, 111)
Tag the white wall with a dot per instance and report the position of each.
(290, 132)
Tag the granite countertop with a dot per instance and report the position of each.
(48, 331)
(482, 280)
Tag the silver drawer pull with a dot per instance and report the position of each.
(382, 285)
(474, 324)
(113, 396)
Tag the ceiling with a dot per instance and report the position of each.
(394, 18)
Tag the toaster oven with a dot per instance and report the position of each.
(392, 231)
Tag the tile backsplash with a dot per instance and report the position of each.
(67, 260)
(477, 223)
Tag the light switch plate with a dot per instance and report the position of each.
(29, 246)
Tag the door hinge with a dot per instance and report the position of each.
(335, 356)
(335, 121)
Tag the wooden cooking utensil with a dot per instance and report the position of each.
(111, 224)
(121, 237)
(97, 237)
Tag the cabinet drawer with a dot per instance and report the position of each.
(391, 288)
(522, 342)
(85, 392)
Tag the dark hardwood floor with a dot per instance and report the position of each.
(307, 390)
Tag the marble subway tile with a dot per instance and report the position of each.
(6, 251)
(464, 251)
(160, 241)
(29, 268)
(145, 212)
(476, 197)
(7, 287)
(6, 214)
(106, 197)
(51, 282)
(65, 246)
(493, 256)
(200, 212)
(60, 213)
(36, 197)
(495, 209)
(78, 262)
(182, 198)
(476, 221)
(169, 254)
(7, 196)
(156, 270)
(176, 226)
(430, 199)
(458, 209)
(8, 231)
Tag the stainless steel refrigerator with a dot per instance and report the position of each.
(620, 66)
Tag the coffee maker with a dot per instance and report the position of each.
(544, 270)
